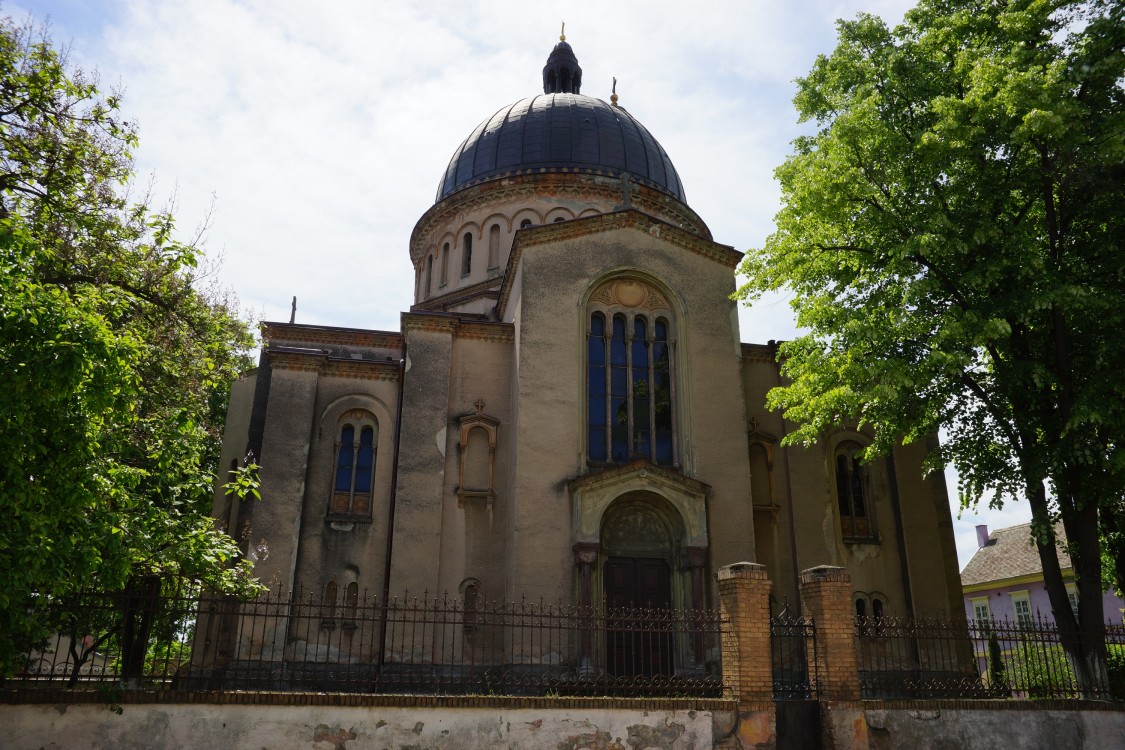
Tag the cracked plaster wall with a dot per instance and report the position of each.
(143, 726)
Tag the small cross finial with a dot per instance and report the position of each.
(753, 424)
(613, 93)
(562, 32)
(480, 405)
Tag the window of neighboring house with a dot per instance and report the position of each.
(853, 493)
(629, 388)
(1072, 595)
(1021, 605)
(860, 608)
(444, 279)
(467, 254)
(982, 613)
(355, 470)
(525, 223)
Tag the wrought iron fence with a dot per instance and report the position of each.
(934, 658)
(357, 643)
(792, 639)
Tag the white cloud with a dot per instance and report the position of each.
(323, 129)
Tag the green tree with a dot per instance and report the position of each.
(953, 237)
(115, 358)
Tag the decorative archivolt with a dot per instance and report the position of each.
(629, 293)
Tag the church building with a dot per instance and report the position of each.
(568, 411)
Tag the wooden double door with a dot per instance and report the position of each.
(638, 640)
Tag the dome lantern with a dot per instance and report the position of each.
(562, 74)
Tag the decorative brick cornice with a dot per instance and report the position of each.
(430, 322)
(462, 328)
(625, 219)
(500, 332)
(604, 187)
(289, 358)
(296, 332)
(360, 369)
(764, 353)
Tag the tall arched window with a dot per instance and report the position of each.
(494, 246)
(467, 254)
(629, 385)
(444, 265)
(355, 470)
(429, 275)
(852, 493)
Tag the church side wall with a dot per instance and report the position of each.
(346, 551)
(928, 528)
(808, 530)
(276, 523)
(235, 435)
(767, 428)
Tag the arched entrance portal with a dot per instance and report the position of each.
(640, 541)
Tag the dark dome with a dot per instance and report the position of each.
(557, 132)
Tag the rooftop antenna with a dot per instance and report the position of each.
(293, 311)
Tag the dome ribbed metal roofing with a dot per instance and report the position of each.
(561, 132)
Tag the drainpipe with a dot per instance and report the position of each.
(391, 508)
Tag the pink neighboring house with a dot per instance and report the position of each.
(1004, 579)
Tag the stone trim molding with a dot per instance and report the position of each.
(594, 493)
(442, 302)
(689, 484)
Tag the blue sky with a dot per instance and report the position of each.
(310, 137)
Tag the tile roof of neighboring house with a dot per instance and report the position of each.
(1010, 554)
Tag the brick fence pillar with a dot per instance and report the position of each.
(827, 595)
(744, 593)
